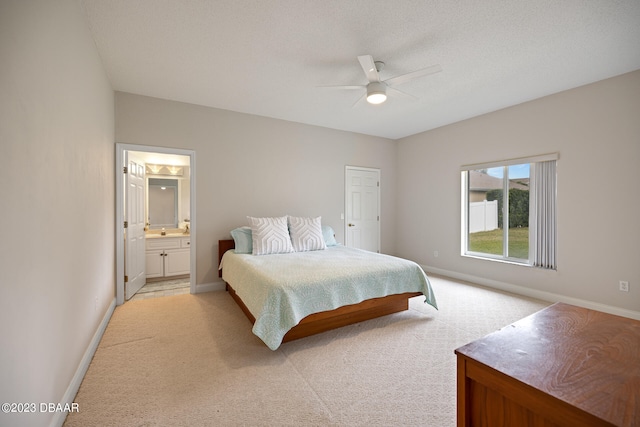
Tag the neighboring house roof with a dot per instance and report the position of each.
(479, 181)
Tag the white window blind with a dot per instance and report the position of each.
(544, 215)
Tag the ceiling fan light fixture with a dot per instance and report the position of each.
(376, 93)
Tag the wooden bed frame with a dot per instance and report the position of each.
(332, 319)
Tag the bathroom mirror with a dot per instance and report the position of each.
(163, 203)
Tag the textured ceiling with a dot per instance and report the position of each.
(268, 57)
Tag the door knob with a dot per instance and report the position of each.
(351, 225)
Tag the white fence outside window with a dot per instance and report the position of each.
(483, 216)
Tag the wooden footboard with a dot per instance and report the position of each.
(332, 319)
(342, 316)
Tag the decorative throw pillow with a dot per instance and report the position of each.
(329, 236)
(270, 235)
(306, 234)
(243, 240)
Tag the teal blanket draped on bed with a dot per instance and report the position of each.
(282, 289)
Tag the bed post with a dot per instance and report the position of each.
(224, 246)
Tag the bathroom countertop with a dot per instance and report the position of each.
(160, 236)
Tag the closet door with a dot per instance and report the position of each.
(362, 188)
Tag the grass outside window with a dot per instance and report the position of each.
(490, 242)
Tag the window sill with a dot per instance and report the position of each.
(500, 260)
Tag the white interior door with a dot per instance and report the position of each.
(362, 191)
(134, 231)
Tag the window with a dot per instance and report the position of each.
(509, 210)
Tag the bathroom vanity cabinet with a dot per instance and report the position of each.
(167, 256)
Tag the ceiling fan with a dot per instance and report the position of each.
(376, 89)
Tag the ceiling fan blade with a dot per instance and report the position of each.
(360, 101)
(403, 78)
(369, 68)
(347, 87)
(395, 92)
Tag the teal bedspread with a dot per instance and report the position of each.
(282, 289)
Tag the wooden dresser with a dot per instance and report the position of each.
(561, 367)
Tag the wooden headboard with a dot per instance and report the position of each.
(224, 246)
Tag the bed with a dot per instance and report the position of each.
(294, 295)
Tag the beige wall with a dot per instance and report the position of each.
(257, 166)
(57, 147)
(57, 209)
(596, 130)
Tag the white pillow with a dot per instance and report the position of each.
(306, 234)
(270, 235)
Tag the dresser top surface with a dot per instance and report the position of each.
(586, 358)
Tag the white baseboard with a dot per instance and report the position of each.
(533, 293)
(208, 287)
(72, 390)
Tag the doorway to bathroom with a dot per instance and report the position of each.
(155, 221)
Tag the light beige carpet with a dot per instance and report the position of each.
(191, 360)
